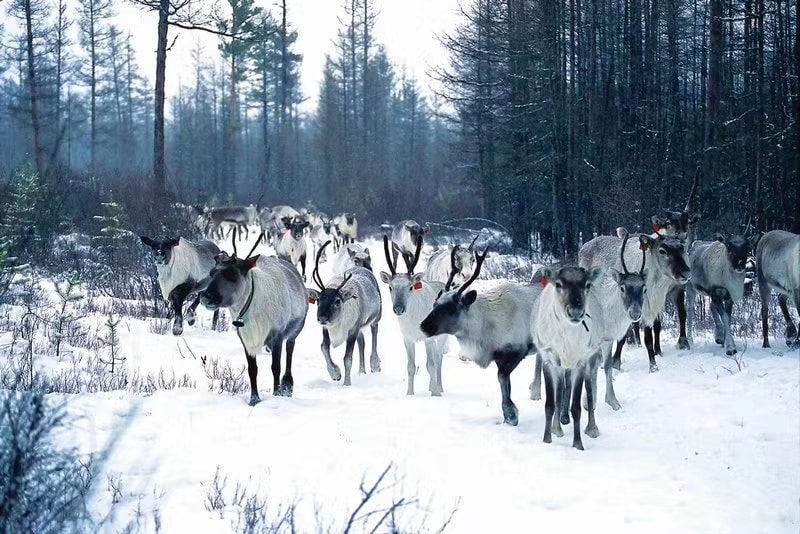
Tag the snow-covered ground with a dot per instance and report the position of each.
(697, 447)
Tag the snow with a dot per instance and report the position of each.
(696, 447)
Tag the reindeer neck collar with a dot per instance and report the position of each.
(239, 322)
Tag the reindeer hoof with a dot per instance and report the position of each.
(177, 329)
(791, 332)
(510, 415)
(718, 340)
(190, 318)
(653, 368)
(578, 445)
(548, 438)
(254, 399)
(564, 419)
(730, 352)
(683, 343)
(592, 431)
(286, 388)
(558, 431)
(614, 403)
(375, 365)
(335, 372)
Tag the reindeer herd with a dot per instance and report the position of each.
(568, 316)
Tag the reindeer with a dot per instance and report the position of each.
(491, 326)
(404, 238)
(349, 256)
(778, 268)
(183, 268)
(412, 300)
(292, 246)
(239, 218)
(268, 299)
(439, 268)
(348, 304)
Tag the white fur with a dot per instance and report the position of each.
(291, 248)
(553, 332)
(342, 261)
(499, 317)
(360, 312)
(191, 260)
(438, 266)
(279, 300)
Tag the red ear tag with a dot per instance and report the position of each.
(418, 285)
(544, 281)
(657, 228)
(312, 300)
(643, 247)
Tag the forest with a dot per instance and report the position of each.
(557, 119)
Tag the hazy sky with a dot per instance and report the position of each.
(407, 28)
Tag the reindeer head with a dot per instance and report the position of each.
(161, 249)
(329, 300)
(738, 250)
(296, 227)
(669, 255)
(401, 285)
(360, 259)
(631, 285)
(451, 305)
(571, 284)
(228, 278)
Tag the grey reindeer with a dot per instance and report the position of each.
(347, 305)
(183, 268)
(778, 268)
(718, 272)
(491, 326)
(268, 299)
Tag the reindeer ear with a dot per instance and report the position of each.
(173, 242)
(348, 294)
(719, 237)
(616, 275)
(595, 273)
(249, 263)
(417, 278)
(351, 252)
(313, 295)
(366, 251)
(385, 277)
(469, 297)
(147, 241)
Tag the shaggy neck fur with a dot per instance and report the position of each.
(713, 269)
(357, 313)
(184, 265)
(418, 305)
(554, 332)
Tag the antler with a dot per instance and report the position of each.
(697, 175)
(315, 273)
(478, 263)
(410, 265)
(235, 234)
(622, 254)
(644, 260)
(392, 266)
(260, 237)
(471, 245)
(452, 268)
(346, 278)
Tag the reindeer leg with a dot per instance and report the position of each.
(727, 310)
(591, 398)
(550, 386)
(191, 315)
(651, 354)
(680, 304)
(559, 379)
(333, 369)
(374, 359)
(611, 396)
(567, 391)
(617, 361)
(287, 382)
(215, 320)
(303, 265)
(797, 307)
(657, 335)
(433, 363)
(791, 331)
(577, 387)
(536, 385)
(348, 358)
(362, 370)
(716, 314)
(764, 292)
(252, 372)
(506, 362)
(177, 296)
(275, 351)
(411, 366)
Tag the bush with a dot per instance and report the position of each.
(43, 487)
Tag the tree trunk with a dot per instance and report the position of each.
(159, 164)
(38, 150)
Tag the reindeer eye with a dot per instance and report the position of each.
(622, 288)
(662, 252)
(559, 285)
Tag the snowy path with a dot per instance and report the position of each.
(694, 448)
